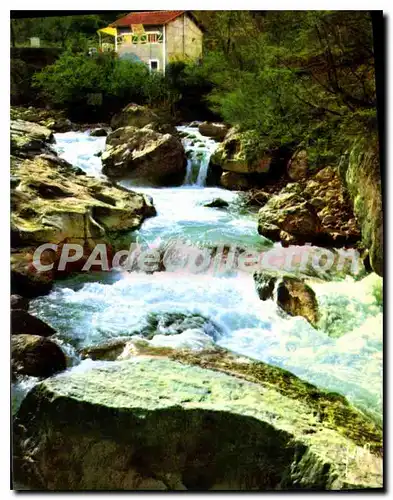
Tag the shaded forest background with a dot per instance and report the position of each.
(288, 78)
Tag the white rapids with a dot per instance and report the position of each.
(344, 354)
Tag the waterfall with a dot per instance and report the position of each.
(199, 150)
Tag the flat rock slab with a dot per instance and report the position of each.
(152, 423)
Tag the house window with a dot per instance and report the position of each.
(153, 37)
(154, 65)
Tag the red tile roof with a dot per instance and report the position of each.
(151, 17)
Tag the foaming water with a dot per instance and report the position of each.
(350, 364)
(344, 354)
(199, 150)
(80, 149)
(181, 215)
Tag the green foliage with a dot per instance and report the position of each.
(77, 32)
(293, 77)
(290, 78)
(101, 83)
(106, 83)
(20, 79)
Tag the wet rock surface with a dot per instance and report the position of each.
(173, 423)
(24, 323)
(293, 295)
(19, 302)
(217, 203)
(145, 156)
(135, 116)
(36, 356)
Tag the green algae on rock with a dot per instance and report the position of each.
(175, 426)
(362, 176)
(52, 203)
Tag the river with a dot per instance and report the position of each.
(344, 354)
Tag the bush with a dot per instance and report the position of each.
(99, 85)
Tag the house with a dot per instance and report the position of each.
(155, 37)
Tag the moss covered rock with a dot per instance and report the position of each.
(52, 203)
(133, 115)
(52, 119)
(362, 175)
(29, 138)
(156, 423)
(237, 154)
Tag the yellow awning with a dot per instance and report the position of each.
(108, 31)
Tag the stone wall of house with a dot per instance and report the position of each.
(193, 39)
(183, 39)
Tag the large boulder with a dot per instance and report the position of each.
(145, 156)
(133, 115)
(215, 130)
(293, 295)
(52, 203)
(237, 154)
(26, 280)
(297, 167)
(164, 422)
(36, 356)
(288, 216)
(24, 323)
(362, 175)
(29, 138)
